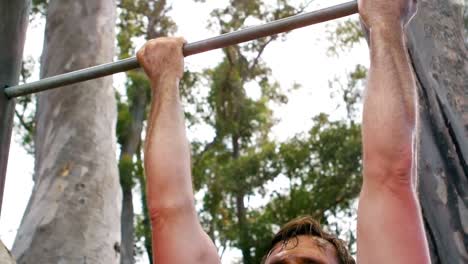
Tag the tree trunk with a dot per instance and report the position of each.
(129, 149)
(241, 212)
(5, 255)
(138, 103)
(13, 24)
(73, 215)
(127, 228)
(243, 229)
(146, 219)
(439, 57)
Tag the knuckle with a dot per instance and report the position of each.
(153, 43)
(181, 40)
(141, 53)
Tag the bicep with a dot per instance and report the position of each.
(390, 227)
(178, 238)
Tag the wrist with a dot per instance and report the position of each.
(386, 41)
(387, 34)
(388, 27)
(164, 79)
(165, 86)
(380, 21)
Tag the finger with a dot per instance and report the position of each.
(182, 40)
(141, 53)
(154, 41)
(181, 43)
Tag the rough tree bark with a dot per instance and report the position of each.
(13, 24)
(127, 228)
(440, 61)
(241, 212)
(5, 255)
(129, 148)
(73, 215)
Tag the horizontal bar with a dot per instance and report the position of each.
(228, 39)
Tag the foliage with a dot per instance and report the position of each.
(322, 167)
(39, 7)
(240, 158)
(143, 225)
(25, 124)
(324, 176)
(351, 92)
(137, 19)
(344, 36)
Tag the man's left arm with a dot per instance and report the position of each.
(390, 227)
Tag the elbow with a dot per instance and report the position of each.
(401, 167)
(161, 212)
(169, 192)
(390, 171)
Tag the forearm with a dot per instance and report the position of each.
(390, 227)
(167, 152)
(389, 119)
(174, 220)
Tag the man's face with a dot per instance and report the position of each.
(307, 250)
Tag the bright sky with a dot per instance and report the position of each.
(302, 59)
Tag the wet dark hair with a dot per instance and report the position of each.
(309, 227)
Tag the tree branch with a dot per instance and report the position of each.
(28, 127)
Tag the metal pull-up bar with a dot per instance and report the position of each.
(228, 39)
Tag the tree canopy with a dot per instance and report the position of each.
(314, 173)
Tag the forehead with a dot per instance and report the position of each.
(303, 247)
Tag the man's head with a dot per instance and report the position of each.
(302, 241)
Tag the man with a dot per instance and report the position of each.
(390, 228)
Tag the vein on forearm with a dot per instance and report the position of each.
(389, 55)
(390, 103)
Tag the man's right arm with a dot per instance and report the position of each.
(390, 227)
(176, 232)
